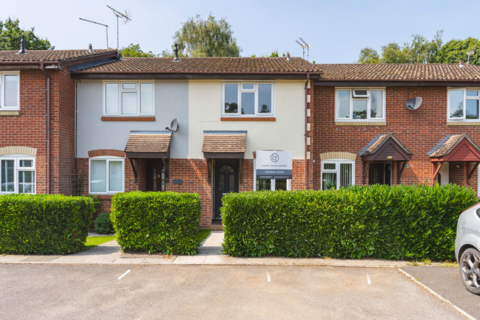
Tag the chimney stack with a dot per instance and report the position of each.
(90, 49)
(175, 59)
(22, 45)
(288, 56)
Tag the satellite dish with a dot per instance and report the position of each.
(174, 126)
(414, 103)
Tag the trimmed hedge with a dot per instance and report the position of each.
(152, 222)
(102, 224)
(44, 224)
(400, 222)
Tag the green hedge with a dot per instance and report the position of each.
(401, 222)
(151, 222)
(44, 224)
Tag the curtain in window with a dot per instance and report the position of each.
(329, 180)
(146, 98)
(98, 176)
(377, 104)
(115, 176)
(344, 104)
(129, 102)
(345, 175)
(11, 91)
(111, 98)
(8, 167)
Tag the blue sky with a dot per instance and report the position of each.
(336, 30)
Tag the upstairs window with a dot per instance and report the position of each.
(129, 98)
(248, 99)
(360, 104)
(463, 104)
(9, 91)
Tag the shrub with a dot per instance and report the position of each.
(164, 222)
(43, 224)
(400, 222)
(103, 225)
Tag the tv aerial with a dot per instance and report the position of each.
(174, 126)
(414, 103)
(106, 26)
(304, 46)
(126, 18)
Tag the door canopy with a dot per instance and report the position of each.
(459, 147)
(385, 147)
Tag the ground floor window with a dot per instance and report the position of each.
(272, 184)
(106, 175)
(337, 173)
(17, 174)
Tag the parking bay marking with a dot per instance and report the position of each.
(268, 276)
(123, 275)
(368, 279)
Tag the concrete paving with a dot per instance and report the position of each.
(210, 253)
(447, 283)
(49, 291)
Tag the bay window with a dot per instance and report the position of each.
(9, 91)
(360, 104)
(337, 174)
(17, 174)
(106, 175)
(247, 99)
(129, 98)
(463, 104)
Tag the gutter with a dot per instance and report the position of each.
(306, 133)
(48, 80)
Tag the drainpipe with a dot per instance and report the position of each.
(306, 132)
(47, 98)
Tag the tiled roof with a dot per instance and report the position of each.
(379, 141)
(50, 55)
(396, 72)
(148, 141)
(224, 141)
(448, 143)
(211, 65)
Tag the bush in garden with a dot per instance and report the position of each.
(165, 222)
(399, 222)
(102, 223)
(44, 224)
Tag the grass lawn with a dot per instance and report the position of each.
(95, 241)
(202, 235)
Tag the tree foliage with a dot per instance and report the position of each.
(454, 50)
(11, 33)
(368, 55)
(205, 38)
(133, 50)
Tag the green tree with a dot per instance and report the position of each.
(206, 38)
(11, 33)
(133, 50)
(368, 55)
(455, 50)
(393, 53)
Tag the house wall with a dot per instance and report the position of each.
(419, 131)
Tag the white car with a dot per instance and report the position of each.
(467, 248)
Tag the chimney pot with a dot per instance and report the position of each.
(22, 45)
(175, 59)
(90, 49)
(288, 56)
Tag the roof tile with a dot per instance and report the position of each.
(49, 55)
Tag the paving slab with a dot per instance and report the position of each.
(12, 258)
(220, 259)
(40, 259)
(198, 259)
(159, 261)
(129, 261)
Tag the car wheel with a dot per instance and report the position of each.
(470, 270)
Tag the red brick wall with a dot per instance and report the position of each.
(418, 130)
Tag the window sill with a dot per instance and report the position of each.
(361, 123)
(463, 123)
(268, 119)
(131, 119)
(9, 113)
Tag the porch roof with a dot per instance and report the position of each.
(148, 144)
(459, 147)
(385, 147)
(224, 144)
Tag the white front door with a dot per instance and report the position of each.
(443, 174)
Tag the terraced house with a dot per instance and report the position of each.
(92, 122)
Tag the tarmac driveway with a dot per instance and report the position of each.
(446, 282)
(212, 292)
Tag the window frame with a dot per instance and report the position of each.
(2, 90)
(369, 104)
(465, 98)
(107, 182)
(120, 97)
(17, 158)
(337, 163)
(272, 181)
(239, 95)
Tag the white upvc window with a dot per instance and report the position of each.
(360, 104)
(107, 175)
(17, 174)
(463, 104)
(270, 184)
(9, 91)
(128, 98)
(248, 99)
(337, 173)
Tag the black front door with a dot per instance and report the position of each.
(226, 181)
(380, 173)
(155, 176)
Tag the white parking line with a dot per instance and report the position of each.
(368, 279)
(123, 275)
(268, 276)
